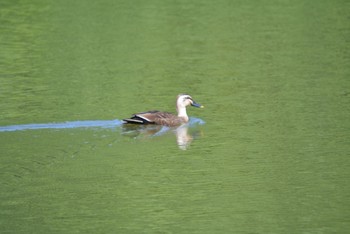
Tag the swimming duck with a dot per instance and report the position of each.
(166, 118)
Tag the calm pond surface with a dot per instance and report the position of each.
(269, 153)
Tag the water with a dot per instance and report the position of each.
(65, 125)
(268, 153)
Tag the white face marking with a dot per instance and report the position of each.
(185, 100)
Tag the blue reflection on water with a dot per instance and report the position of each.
(78, 124)
(64, 125)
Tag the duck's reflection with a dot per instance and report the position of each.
(184, 137)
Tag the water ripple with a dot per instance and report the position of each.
(64, 125)
(77, 124)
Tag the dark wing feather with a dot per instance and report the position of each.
(155, 117)
(142, 118)
(134, 120)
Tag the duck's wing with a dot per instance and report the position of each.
(153, 117)
(143, 117)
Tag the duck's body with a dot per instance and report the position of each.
(165, 118)
(156, 117)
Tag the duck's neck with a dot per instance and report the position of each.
(181, 112)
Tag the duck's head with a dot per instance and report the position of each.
(184, 100)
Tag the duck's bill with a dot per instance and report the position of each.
(195, 104)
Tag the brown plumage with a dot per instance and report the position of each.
(165, 118)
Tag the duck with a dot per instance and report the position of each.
(165, 118)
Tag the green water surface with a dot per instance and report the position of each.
(272, 157)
